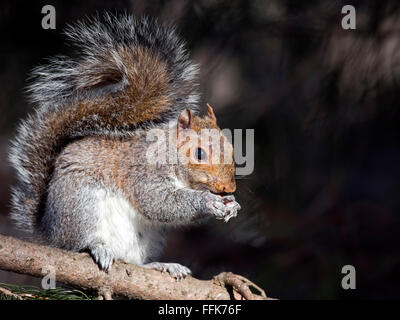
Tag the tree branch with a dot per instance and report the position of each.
(78, 269)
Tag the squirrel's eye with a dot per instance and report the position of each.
(200, 154)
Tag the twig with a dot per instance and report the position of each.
(8, 293)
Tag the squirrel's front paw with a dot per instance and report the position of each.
(231, 206)
(221, 207)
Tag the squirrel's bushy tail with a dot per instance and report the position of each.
(126, 73)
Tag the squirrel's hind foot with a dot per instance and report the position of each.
(174, 269)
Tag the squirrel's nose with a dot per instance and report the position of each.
(228, 187)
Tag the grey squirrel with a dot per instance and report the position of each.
(84, 182)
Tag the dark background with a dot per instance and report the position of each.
(324, 105)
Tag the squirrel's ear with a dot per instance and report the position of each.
(101, 75)
(185, 120)
(210, 113)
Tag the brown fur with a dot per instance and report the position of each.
(146, 93)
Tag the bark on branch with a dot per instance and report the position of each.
(78, 269)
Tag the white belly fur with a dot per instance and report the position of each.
(119, 227)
